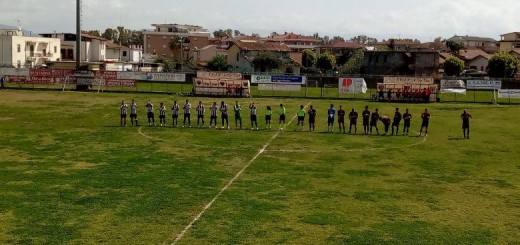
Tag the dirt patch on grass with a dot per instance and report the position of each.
(69, 166)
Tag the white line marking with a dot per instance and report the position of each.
(262, 150)
(356, 150)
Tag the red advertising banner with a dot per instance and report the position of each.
(41, 80)
(17, 79)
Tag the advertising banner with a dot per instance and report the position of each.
(17, 79)
(509, 93)
(483, 84)
(219, 75)
(453, 86)
(409, 80)
(287, 79)
(221, 87)
(166, 77)
(8, 71)
(131, 75)
(120, 83)
(352, 85)
(279, 87)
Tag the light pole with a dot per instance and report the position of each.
(78, 34)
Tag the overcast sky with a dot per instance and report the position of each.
(382, 19)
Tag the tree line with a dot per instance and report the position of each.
(120, 35)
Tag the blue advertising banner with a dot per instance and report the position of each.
(287, 79)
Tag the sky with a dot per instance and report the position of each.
(382, 19)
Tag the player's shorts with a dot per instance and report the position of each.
(341, 120)
(268, 117)
(162, 116)
(123, 115)
(312, 119)
(186, 115)
(465, 125)
(425, 124)
(133, 115)
(238, 117)
(396, 123)
(224, 116)
(175, 116)
(406, 124)
(200, 116)
(373, 123)
(353, 122)
(150, 115)
(330, 120)
(282, 117)
(213, 118)
(365, 122)
(253, 118)
(301, 119)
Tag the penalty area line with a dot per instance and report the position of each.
(230, 182)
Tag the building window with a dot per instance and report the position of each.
(385, 59)
(377, 59)
(170, 29)
(124, 53)
(55, 49)
(18, 48)
(237, 56)
(370, 59)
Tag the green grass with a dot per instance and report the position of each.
(71, 175)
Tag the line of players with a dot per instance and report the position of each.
(370, 120)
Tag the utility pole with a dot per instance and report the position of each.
(78, 34)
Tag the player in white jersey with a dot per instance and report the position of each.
(123, 108)
(133, 113)
(200, 114)
(187, 113)
(224, 110)
(254, 122)
(151, 117)
(175, 114)
(214, 110)
(162, 114)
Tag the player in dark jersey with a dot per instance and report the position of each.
(123, 109)
(330, 118)
(397, 121)
(366, 118)
(341, 119)
(268, 117)
(187, 113)
(425, 122)
(465, 123)
(374, 118)
(407, 121)
(312, 118)
(353, 115)
(254, 122)
(386, 121)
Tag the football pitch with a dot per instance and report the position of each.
(69, 174)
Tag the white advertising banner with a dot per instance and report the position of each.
(8, 71)
(221, 87)
(279, 87)
(453, 86)
(283, 79)
(352, 85)
(131, 75)
(409, 80)
(166, 77)
(483, 84)
(509, 93)
(219, 75)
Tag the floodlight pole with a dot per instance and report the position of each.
(78, 34)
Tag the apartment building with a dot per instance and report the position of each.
(93, 48)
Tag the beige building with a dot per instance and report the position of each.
(509, 41)
(241, 56)
(189, 37)
(295, 42)
(17, 50)
(204, 55)
(93, 48)
(487, 44)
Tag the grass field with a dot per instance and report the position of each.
(70, 175)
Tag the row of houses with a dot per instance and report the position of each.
(194, 44)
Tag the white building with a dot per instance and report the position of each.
(17, 50)
(93, 48)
